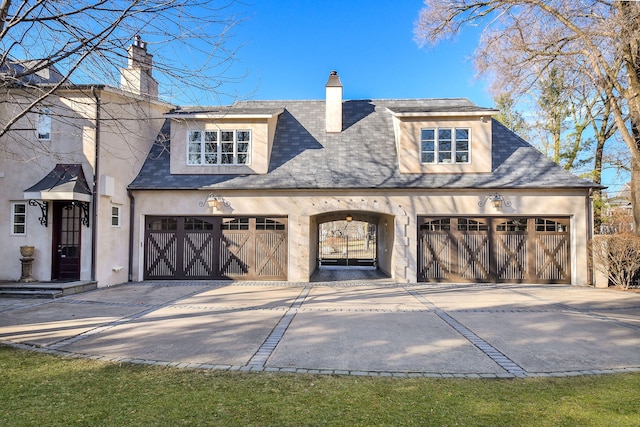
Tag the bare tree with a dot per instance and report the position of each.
(597, 40)
(48, 45)
(509, 116)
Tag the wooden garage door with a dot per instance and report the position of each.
(509, 250)
(197, 248)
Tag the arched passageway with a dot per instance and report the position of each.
(352, 246)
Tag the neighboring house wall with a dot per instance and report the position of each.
(124, 145)
(128, 126)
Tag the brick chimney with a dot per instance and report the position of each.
(334, 103)
(137, 78)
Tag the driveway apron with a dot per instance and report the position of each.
(340, 328)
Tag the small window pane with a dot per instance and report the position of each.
(462, 157)
(115, 216)
(244, 136)
(462, 145)
(444, 134)
(428, 157)
(195, 135)
(428, 146)
(428, 134)
(444, 157)
(462, 134)
(19, 218)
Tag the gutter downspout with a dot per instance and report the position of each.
(590, 234)
(96, 174)
(132, 210)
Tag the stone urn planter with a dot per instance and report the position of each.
(27, 251)
(27, 263)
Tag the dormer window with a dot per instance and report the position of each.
(445, 145)
(218, 147)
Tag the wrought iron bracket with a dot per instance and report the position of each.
(84, 207)
(44, 208)
(84, 219)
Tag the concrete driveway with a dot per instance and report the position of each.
(340, 328)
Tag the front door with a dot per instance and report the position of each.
(66, 241)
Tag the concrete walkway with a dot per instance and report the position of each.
(351, 328)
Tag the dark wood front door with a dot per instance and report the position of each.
(66, 241)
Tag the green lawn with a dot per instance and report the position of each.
(43, 390)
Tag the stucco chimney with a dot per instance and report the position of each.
(137, 77)
(334, 103)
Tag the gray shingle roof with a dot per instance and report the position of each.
(304, 156)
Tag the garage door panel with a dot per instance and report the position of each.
(436, 256)
(271, 255)
(239, 248)
(473, 256)
(552, 258)
(234, 255)
(494, 249)
(161, 255)
(511, 257)
(198, 255)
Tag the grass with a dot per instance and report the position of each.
(44, 390)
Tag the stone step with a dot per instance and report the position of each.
(45, 290)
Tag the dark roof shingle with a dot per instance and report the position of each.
(363, 155)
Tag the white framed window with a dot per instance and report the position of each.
(445, 145)
(43, 124)
(115, 216)
(218, 147)
(18, 219)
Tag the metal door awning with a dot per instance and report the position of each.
(64, 182)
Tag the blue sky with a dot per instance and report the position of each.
(289, 48)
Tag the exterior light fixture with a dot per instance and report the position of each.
(213, 201)
(497, 200)
(349, 217)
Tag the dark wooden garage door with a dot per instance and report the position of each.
(509, 250)
(197, 248)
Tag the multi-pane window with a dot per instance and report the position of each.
(441, 224)
(514, 224)
(218, 147)
(235, 224)
(163, 224)
(115, 216)
(18, 219)
(465, 224)
(550, 225)
(43, 124)
(445, 145)
(268, 224)
(195, 224)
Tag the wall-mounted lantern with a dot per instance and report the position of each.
(497, 200)
(213, 201)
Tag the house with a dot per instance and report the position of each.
(617, 214)
(446, 194)
(111, 185)
(66, 166)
